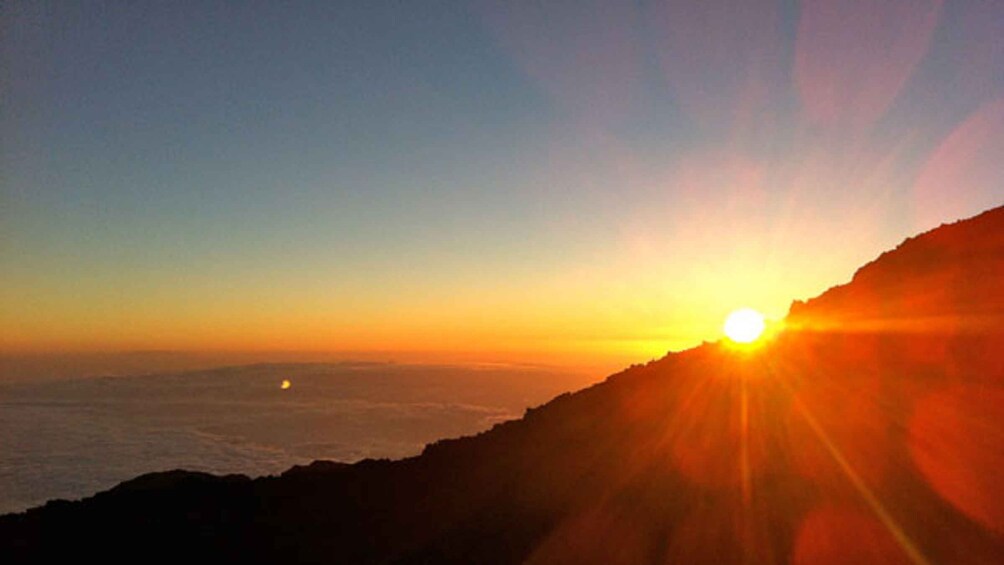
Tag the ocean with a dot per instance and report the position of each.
(70, 438)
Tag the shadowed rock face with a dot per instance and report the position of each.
(869, 431)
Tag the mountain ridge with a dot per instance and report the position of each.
(978, 240)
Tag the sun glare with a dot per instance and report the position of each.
(744, 325)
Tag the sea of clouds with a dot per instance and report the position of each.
(71, 438)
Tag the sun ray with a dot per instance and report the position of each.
(876, 506)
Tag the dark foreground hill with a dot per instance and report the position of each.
(871, 430)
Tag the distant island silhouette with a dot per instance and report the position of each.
(870, 430)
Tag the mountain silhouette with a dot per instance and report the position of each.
(868, 430)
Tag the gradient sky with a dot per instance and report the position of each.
(588, 182)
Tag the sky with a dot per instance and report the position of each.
(588, 183)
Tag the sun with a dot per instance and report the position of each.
(744, 325)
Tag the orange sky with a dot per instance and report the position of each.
(507, 182)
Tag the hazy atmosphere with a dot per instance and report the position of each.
(502, 282)
(588, 183)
